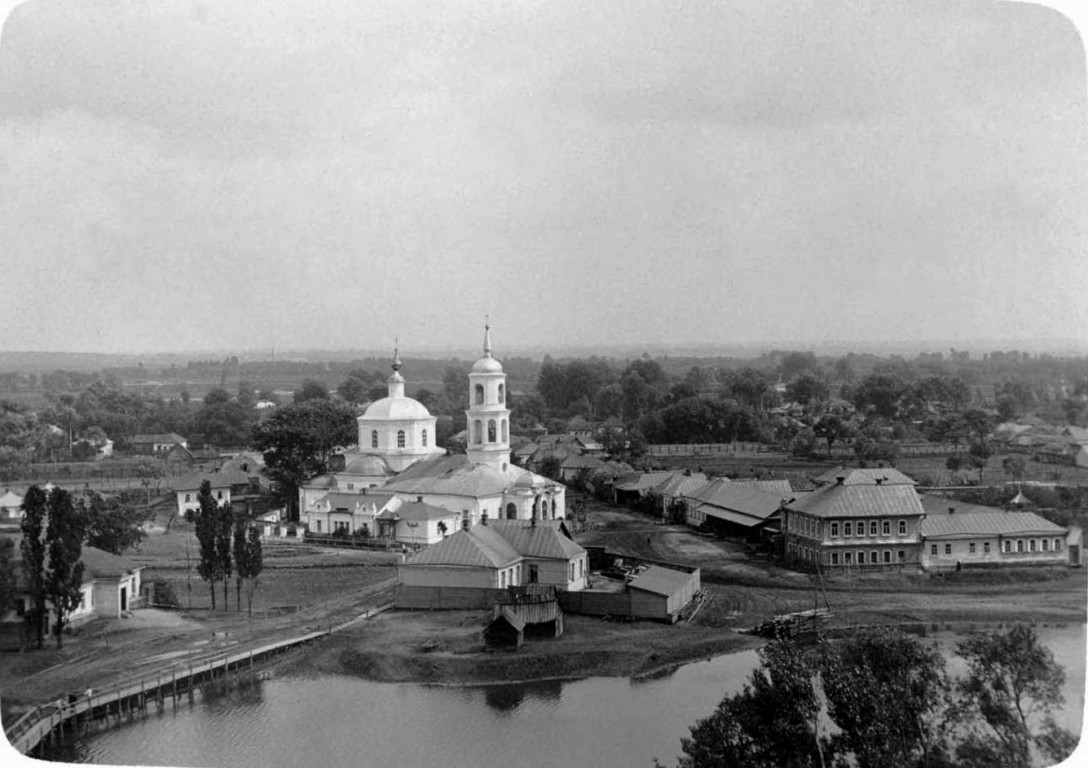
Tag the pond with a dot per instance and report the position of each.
(334, 720)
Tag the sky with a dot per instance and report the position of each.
(186, 175)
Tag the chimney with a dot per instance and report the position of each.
(951, 510)
(880, 480)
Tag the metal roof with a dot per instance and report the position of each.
(680, 485)
(725, 495)
(859, 501)
(779, 487)
(660, 581)
(457, 476)
(641, 481)
(994, 522)
(480, 547)
(545, 539)
(866, 476)
(422, 511)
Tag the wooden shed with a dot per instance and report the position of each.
(660, 593)
(505, 631)
(536, 605)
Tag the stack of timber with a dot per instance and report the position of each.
(802, 625)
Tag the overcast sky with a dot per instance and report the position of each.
(238, 174)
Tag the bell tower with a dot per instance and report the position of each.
(488, 417)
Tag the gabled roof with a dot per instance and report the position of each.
(480, 547)
(866, 476)
(660, 581)
(576, 461)
(419, 511)
(993, 522)
(528, 449)
(735, 497)
(641, 481)
(347, 500)
(859, 501)
(193, 481)
(780, 487)
(510, 618)
(1079, 434)
(101, 564)
(680, 485)
(546, 539)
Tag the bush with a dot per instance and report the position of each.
(164, 593)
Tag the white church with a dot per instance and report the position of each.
(396, 483)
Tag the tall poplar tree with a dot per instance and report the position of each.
(32, 547)
(224, 526)
(64, 574)
(206, 530)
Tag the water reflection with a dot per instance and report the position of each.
(504, 699)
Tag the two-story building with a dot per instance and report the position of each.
(868, 518)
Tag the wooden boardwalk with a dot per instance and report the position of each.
(123, 699)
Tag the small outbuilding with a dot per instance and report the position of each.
(506, 630)
(660, 593)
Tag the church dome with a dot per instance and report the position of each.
(396, 409)
(487, 365)
(367, 465)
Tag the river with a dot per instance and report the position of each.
(338, 720)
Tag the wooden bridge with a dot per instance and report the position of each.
(122, 700)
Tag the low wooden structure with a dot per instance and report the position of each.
(505, 630)
(535, 605)
(802, 625)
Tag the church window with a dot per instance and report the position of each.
(424, 438)
(374, 439)
(491, 431)
(553, 509)
(505, 432)
(400, 438)
(479, 431)
(511, 512)
(479, 394)
(502, 394)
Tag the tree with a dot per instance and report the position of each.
(224, 526)
(771, 723)
(111, 524)
(887, 693)
(1014, 466)
(750, 386)
(1014, 685)
(455, 386)
(150, 471)
(297, 441)
(64, 573)
(206, 535)
(807, 390)
(832, 429)
(353, 389)
(32, 546)
(879, 394)
(979, 455)
(7, 574)
(248, 559)
(311, 390)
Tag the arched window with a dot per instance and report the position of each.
(400, 438)
(505, 432)
(424, 438)
(374, 439)
(479, 393)
(491, 431)
(502, 393)
(511, 511)
(553, 509)
(478, 431)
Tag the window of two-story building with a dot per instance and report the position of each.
(1019, 545)
(948, 549)
(834, 529)
(847, 557)
(971, 548)
(933, 549)
(847, 529)
(885, 528)
(887, 556)
(985, 547)
(1057, 545)
(1006, 546)
(861, 558)
(872, 527)
(902, 556)
(1031, 545)
(860, 529)
(834, 558)
(902, 527)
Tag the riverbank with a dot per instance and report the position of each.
(446, 648)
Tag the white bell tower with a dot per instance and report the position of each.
(488, 417)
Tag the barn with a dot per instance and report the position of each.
(660, 593)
